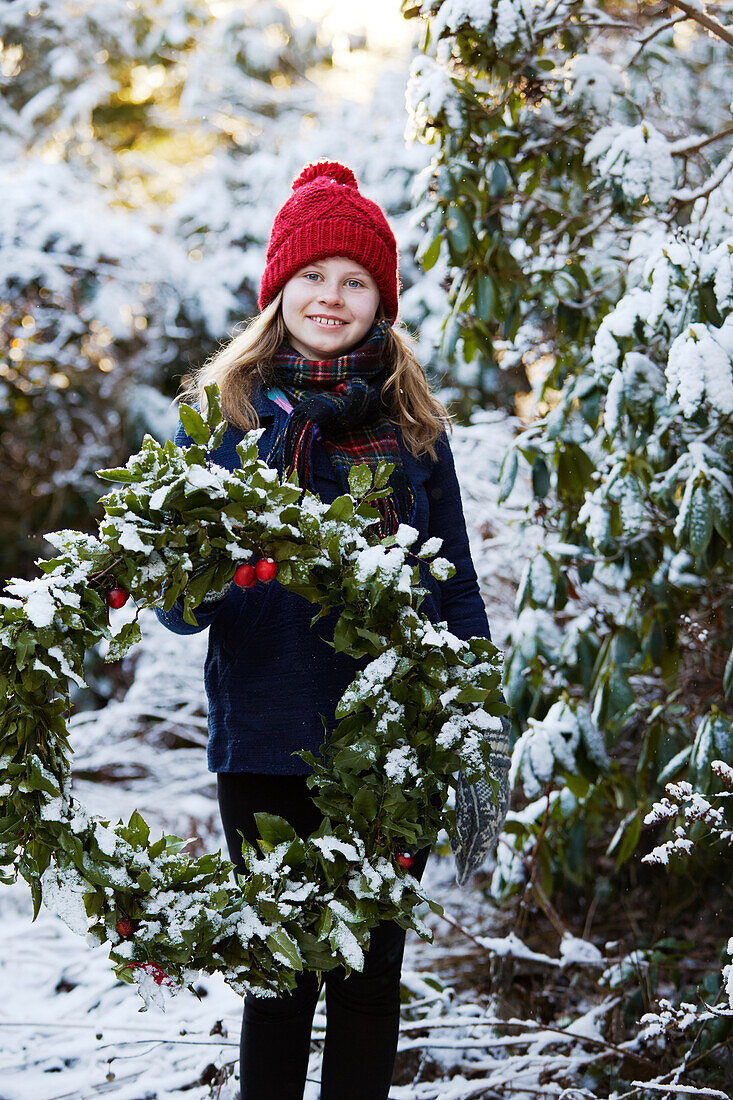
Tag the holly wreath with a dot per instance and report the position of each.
(174, 527)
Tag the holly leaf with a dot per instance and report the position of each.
(360, 479)
(470, 694)
(137, 831)
(428, 256)
(120, 643)
(247, 449)
(383, 473)
(193, 425)
(273, 829)
(508, 474)
(126, 477)
(345, 633)
(217, 435)
(366, 803)
(486, 297)
(341, 508)
(281, 944)
(728, 675)
(213, 405)
(37, 897)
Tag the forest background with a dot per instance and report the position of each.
(560, 183)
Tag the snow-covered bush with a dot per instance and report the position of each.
(108, 111)
(581, 195)
(146, 149)
(421, 698)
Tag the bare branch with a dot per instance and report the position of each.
(681, 1090)
(691, 145)
(723, 169)
(705, 20)
(653, 34)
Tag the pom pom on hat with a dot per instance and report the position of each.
(326, 215)
(326, 169)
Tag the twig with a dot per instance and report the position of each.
(704, 20)
(410, 1005)
(683, 1090)
(529, 1026)
(670, 1088)
(486, 945)
(487, 1042)
(590, 915)
(174, 716)
(652, 34)
(41, 1024)
(691, 145)
(593, 226)
(460, 928)
(101, 572)
(549, 909)
(608, 24)
(544, 901)
(686, 195)
(173, 1042)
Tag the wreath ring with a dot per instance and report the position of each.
(174, 527)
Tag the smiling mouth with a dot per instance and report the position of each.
(326, 322)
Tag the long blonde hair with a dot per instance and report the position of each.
(246, 360)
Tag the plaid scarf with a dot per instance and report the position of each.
(339, 402)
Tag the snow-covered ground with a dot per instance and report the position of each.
(69, 1029)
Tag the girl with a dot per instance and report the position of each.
(331, 381)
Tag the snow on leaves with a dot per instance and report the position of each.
(700, 368)
(638, 158)
(510, 25)
(728, 975)
(592, 81)
(174, 528)
(631, 461)
(548, 748)
(694, 819)
(669, 1019)
(688, 806)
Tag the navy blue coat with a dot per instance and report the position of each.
(269, 675)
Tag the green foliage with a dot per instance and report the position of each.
(579, 223)
(509, 188)
(631, 468)
(97, 308)
(174, 525)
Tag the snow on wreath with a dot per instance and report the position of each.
(176, 526)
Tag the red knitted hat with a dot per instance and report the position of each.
(326, 216)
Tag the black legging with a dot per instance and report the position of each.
(363, 1010)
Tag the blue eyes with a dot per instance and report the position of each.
(349, 282)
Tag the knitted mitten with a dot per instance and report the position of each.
(212, 596)
(480, 813)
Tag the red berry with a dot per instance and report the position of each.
(117, 597)
(125, 927)
(405, 860)
(266, 568)
(158, 975)
(245, 576)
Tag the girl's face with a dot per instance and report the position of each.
(329, 306)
